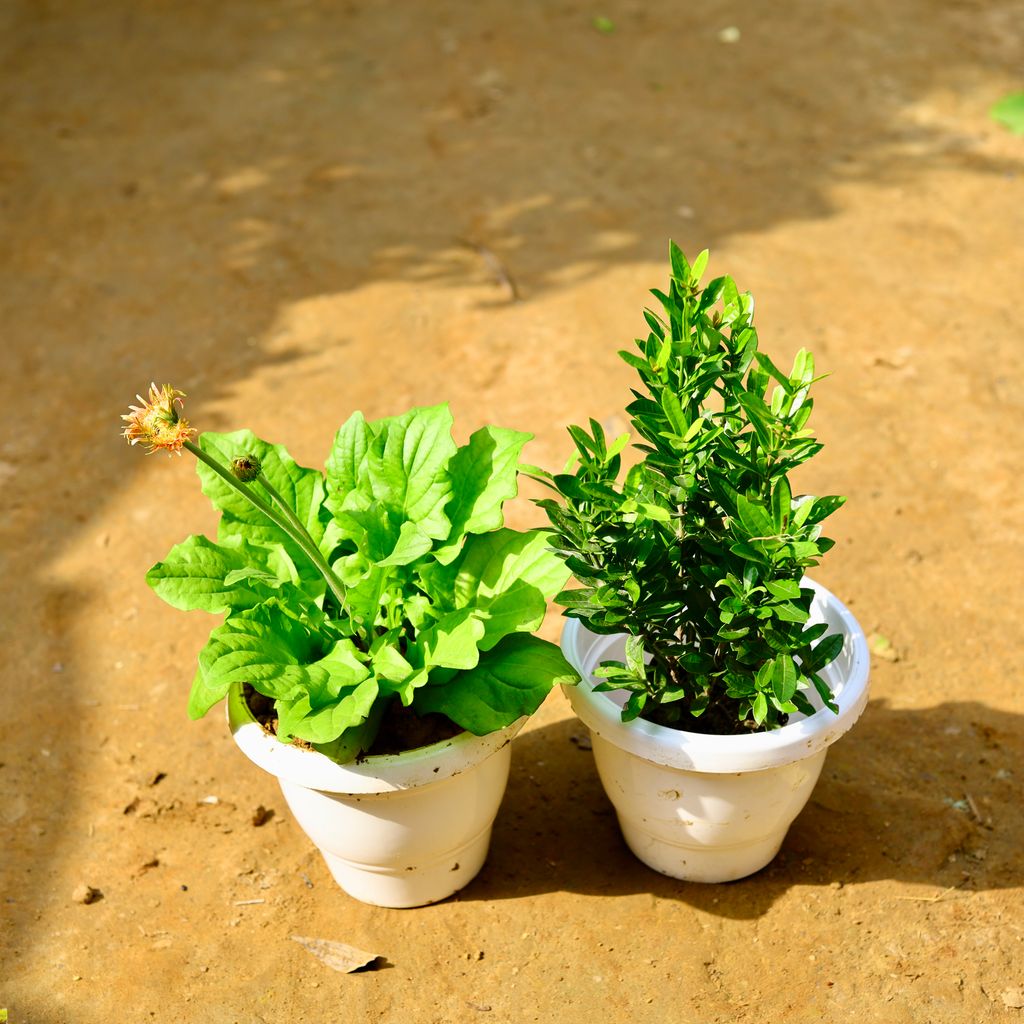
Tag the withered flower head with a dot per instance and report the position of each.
(246, 468)
(157, 423)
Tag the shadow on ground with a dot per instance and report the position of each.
(896, 800)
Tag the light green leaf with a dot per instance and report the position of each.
(347, 462)
(1009, 112)
(343, 666)
(409, 545)
(323, 724)
(200, 574)
(406, 468)
(302, 489)
(483, 475)
(783, 590)
(510, 681)
(203, 695)
(759, 708)
(262, 646)
(451, 642)
(507, 575)
(389, 664)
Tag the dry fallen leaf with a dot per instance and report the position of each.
(337, 955)
(881, 647)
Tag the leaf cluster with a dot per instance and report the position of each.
(439, 598)
(697, 551)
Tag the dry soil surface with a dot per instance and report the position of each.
(292, 210)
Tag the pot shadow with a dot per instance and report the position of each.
(925, 797)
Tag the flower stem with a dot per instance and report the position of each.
(287, 520)
(299, 528)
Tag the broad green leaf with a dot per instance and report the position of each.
(254, 576)
(262, 646)
(200, 574)
(451, 642)
(302, 489)
(787, 611)
(508, 576)
(347, 462)
(409, 545)
(390, 664)
(203, 695)
(343, 666)
(351, 708)
(406, 468)
(356, 739)
(483, 476)
(510, 681)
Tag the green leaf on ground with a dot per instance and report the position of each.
(1009, 112)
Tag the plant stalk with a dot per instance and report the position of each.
(287, 521)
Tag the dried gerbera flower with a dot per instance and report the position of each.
(157, 423)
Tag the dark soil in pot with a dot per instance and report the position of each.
(401, 729)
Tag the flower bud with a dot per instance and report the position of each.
(246, 468)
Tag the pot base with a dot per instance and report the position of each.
(414, 885)
(700, 863)
(700, 827)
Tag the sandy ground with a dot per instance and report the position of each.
(274, 206)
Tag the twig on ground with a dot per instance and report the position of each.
(498, 269)
(933, 899)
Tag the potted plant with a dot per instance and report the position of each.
(377, 652)
(715, 675)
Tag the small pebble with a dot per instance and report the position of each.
(86, 894)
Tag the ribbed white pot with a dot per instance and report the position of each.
(399, 830)
(712, 808)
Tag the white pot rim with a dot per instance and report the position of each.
(723, 754)
(382, 773)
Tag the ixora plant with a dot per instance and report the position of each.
(380, 599)
(691, 570)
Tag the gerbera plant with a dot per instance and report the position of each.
(386, 582)
(698, 550)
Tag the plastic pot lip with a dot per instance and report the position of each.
(698, 752)
(382, 773)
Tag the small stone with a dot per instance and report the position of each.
(730, 34)
(261, 816)
(1013, 998)
(86, 894)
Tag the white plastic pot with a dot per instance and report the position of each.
(397, 830)
(712, 808)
